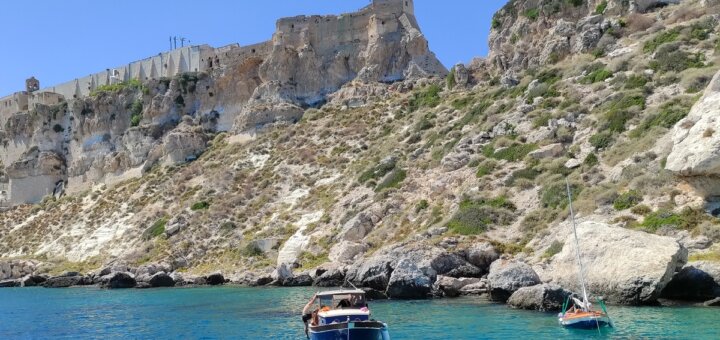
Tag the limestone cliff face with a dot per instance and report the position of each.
(532, 33)
(695, 153)
(120, 131)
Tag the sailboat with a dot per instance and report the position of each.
(581, 313)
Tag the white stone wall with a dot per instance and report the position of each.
(31, 189)
(168, 64)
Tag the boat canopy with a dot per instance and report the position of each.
(341, 299)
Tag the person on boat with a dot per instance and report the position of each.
(307, 312)
(344, 303)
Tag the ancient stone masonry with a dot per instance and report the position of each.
(83, 132)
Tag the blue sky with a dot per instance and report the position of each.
(57, 41)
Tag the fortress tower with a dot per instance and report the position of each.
(394, 6)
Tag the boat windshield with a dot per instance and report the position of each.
(343, 301)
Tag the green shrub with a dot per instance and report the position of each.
(575, 3)
(496, 23)
(450, 79)
(112, 88)
(251, 250)
(627, 200)
(532, 13)
(596, 76)
(641, 210)
(549, 76)
(527, 173)
(591, 160)
(475, 216)
(600, 8)
(555, 248)
(687, 219)
(392, 180)
(422, 205)
(555, 195)
(701, 30)
(514, 152)
(179, 101)
(635, 81)
(58, 128)
(668, 115)
(427, 97)
(136, 112)
(202, 205)
(671, 58)
(485, 168)
(542, 119)
(379, 170)
(157, 229)
(601, 140)
(661, 39)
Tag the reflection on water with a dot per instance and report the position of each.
(274, 313)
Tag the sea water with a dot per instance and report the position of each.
(274, 313)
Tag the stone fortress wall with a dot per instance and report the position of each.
(322, 33)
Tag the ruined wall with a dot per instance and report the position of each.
(168, 64)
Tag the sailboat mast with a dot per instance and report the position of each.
(577, 245)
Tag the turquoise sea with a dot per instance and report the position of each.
(274, 313)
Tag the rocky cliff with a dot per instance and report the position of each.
(121, 130)
(406, 187)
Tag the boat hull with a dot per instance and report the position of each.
(350, 331)
(585, 322)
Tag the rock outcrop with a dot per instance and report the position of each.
(542, 297)
(697, 281)
(507, 276)
(638, 276)
(695, 154)
(408, 271)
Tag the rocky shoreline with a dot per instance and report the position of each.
(628, 268)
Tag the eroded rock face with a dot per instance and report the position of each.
(697, 281)
(115, 135)
(507, 276)
(622, 265)
(421, 267)
(542, 297)
(695, 155)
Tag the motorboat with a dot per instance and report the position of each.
(343, 315)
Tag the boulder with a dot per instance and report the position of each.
(548, 151)
(346, 251)
(696, 281)
(450, 286)
(695, 155)
(64, 281)
(542, 297)
(9, 283)
(478, 288)
(215, 279)
(408, 282)
(712, 303)
(625, 266)
(646, 5)
(300, 280)
(482, 255)
(281, 273)
(376, 271)
(332, 277)
(572, 163)
(507, 276)
(32, 280)
(161, 279)
(120, 280)
(143, 285)
(374, 294)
